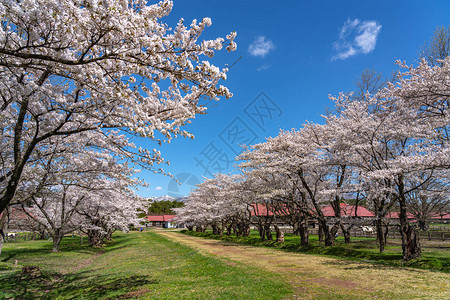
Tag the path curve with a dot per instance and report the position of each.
(323, 277)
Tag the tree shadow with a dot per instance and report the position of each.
(72, 286)
(68, 244)
(386, 264)
(8, 257)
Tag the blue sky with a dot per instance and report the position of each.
(294, 54)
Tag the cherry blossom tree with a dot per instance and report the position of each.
(110, 67)
(276, 157)
(214, 202)
(62, 182)
(399, 140)
(111, 207)
(314, 165)
(430, 199)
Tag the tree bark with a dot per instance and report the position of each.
(280, 234)
(215, 229)
(3, 228)
(346, 233)
(228, 228)
(328, 235)
(320, 233)
(268, 232)
(261, 231)
(56, 237)
(410, 240)
(381, 237)
(95, 238)
(246, 230)
(109, 234)
(303, 232)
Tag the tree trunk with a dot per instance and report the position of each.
(3, 228)
(95, 238)
(346, 233)
(304, 236)
(410, 240)
(320, 233)
(109, 234)
(296, 228)
(215, 229)
(381, 236)
(261, 231)
(2, 241)
(229, 229)
(56, 237)
(246, 230)
(328, 234)
(280, 234)
(268, 233)
(386, 232)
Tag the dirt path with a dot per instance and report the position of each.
(315, 277)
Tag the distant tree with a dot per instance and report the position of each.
(369, 83)
(164, 207)
(438, 48)
(109, 209)
(430, 199)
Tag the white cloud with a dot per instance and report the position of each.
(356, 37)
(261, 46)
(158, 188)
(262, 68)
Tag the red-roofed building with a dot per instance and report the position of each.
(348, 211)
(21, 221)
(441, 217)
(164, 221)
(396, 215)
(261, 210)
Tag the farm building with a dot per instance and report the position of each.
(164, 221)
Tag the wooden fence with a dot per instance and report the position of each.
(393, 233)
(23, 237)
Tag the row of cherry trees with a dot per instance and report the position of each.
(78, 80)
(385, 149)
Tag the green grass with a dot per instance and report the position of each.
(361, 249)
(136, 265)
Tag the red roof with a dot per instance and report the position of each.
(260, 209)
(348, 210)
(441, 216)
(396, 215)
(18, 214)
(160, 218)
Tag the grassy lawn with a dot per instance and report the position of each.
(435, 255)
(135, 265)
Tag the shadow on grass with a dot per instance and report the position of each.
(359, 250)
(68, 245)
(8, 257)
(53, 285)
